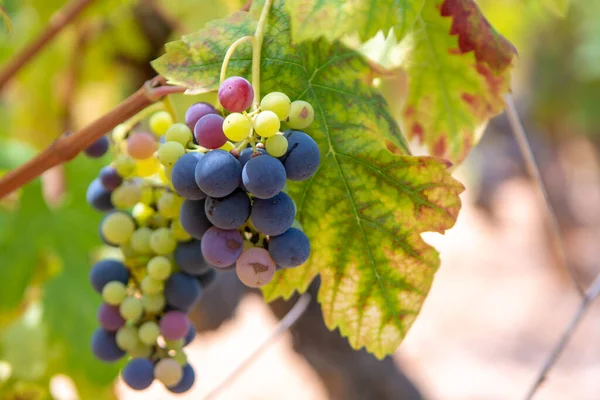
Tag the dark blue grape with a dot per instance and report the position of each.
(273, 216)
(108, 270)
(138, 373)
(263, 176)
(98, 148)
(303, 156)
(229, 212)
(193, 218)
(183, 177)
(190, 335)
(186, 382)
(182, 291)
(104, 346)
(98, 196)
(188, 255)
(110, 178)
(290, 249)
(218, 173)
(207, 278)
(247, 154)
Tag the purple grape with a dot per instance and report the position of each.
(110, 318)
(108, 270)
(138, 373)
(98, 148)
(110, 178)
(221, 247)
(183, 177)
(190, 335)
(229, 212)
(218, 173)
(264, 176)
(193, 218)
(209, 131)
(188, 256)
(273, 216)
(104, 346)
(98, 196)
(290, 249)
(182, 291)
(236, 94)
(174, 325)
(186, 382)
(197, 111)
(303, 156)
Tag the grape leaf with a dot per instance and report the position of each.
(365, 207)
(458, 71)
(559, 7)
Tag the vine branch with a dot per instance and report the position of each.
(66, 147)
(57, 22)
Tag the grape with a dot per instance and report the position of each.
(108, 270)
(174, 325)
(169, 205)
(138, 374)
(183, 177)
(128, 338)
(218, 173)
(263, 176)
(126, 196)
(147, 167)
(124, 165)
(159, 268)
(98, 148)
(141, 145)
(301, 114)
(277, 102)
(149, 332)
(120, 132)
(168, 371)
(169, 153)
(160, 122)
(228, 146)
(197, 111)
(151, 286)
(273, 216)
(179, 233)
(267, 124)
(179, 133)
(153, 303)
(104, 346)
(248, 153)
(187, 381)
(302, 158)
(193, 218)
(181, 358)
(182, 291)
(175, 344)
(255, 267)
(131, 309)
(237, 127)
(109, 317)
(221, 247)
(209, 131)
(236, 94)
(140, 240)
(229, 212)
(276, 145)
(190, 335)
(117, 227)
(189, 258)
(140, 351)
(162, 241)
(290, 249)
(98, 196)
(114, 293)
(142, 213)
(110, 178)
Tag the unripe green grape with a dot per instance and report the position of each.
(267, 124)
(168, 371)
(277, 102)
(131, 309)
(141, 350)
(169, 205)
(228, 146)
(117, 227)
(181, 358)
(127, 338)
(124, 165)
(114, 292)
(170, 152)
(179, 233)
(147, 167)
(159, 268)
(174, 344)
(160, 122)
(127, 250)
(142, 212)
(151, 286)
(153, 303)
(162, 241)
(119, 132)
(179, 133)
(140, 240)
(236, 127)
(158, 221)
(302, 114)
(149, 332)
(165, 175)
(126, 196)
(276, 145)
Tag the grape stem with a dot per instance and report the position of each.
(230, 52)
(259, 36)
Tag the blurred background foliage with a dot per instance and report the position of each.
(48, 234)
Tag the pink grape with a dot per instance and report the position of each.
(197, 111)
(141, 145)
(255, 267)
(174, 325)
(209, 131)
(236, 94)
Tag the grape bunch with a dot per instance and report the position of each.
(187, 200)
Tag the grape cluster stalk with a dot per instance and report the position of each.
(184, 200)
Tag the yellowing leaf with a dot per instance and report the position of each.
(559, 7)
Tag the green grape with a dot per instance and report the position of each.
(267, 123)
(179, 233)
(277, 145)
(147, 167)
(126, 196)
(140, 240)
(236, 127)
(127, 250)
(168, 371)
(162, 241)
(141, 350)
(228, 146)
(179, 133)
(159, 268)
(181, 358)
(169, 153)
(149, 332)
(160, 122)
(153, 303)
(127, 338)
(114, 292)
(301, 114)
(124, 165)
(147, 192)
(169, 205)
(165, 175)
(142, 212)
(117, 227)
(277, 102)
(151, 286)
(119, 132)
(174, 344)
(131, 309)
(158, 221)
